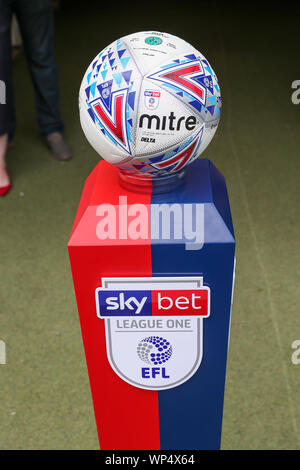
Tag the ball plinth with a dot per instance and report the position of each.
(150, 185)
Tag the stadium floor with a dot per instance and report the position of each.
(45, 400)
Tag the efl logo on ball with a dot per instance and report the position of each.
(151, 98)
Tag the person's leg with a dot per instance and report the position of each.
(36, 23)
(7, 123)
(4, 177)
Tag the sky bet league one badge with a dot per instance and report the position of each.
(152, 248)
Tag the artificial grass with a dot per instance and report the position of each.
(45, 399)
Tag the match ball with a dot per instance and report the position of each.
(149, 104)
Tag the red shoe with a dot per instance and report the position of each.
(4, 190)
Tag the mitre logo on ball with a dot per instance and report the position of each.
(171, 122)
(150, 107)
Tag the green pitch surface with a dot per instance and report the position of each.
(45, 400)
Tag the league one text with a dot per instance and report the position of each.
(152, 248)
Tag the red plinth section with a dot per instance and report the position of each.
(126, 417)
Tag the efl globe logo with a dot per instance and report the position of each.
(156, 351)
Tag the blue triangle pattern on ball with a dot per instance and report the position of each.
(121, 52)
(126, 75)
(104, 73)
(87, 92)
(124, 62)
(118, 78)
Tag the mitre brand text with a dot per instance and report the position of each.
(171, 122)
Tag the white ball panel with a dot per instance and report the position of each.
(163, 121)
(147, 55)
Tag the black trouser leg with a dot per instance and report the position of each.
(7, 111)
(36, 22)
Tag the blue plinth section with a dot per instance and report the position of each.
(190, 415)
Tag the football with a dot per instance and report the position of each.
(149, 104)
